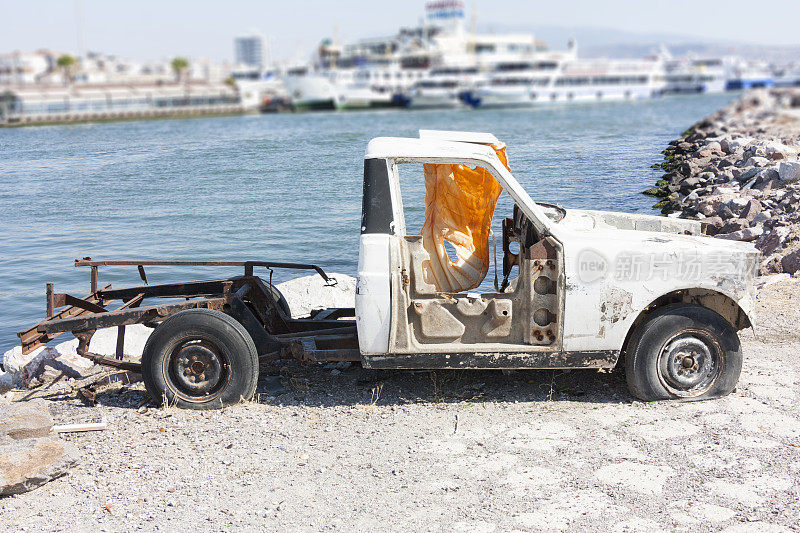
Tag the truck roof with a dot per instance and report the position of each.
(434, 144)
(438, 146)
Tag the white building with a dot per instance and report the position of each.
(251, 50)
(25, 67)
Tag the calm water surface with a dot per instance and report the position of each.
(278, 187)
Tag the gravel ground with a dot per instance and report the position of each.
(351, 449)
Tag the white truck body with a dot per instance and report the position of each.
(610, 269)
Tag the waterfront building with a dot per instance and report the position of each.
(251, 50)
(25, 67)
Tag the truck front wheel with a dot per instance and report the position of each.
(683, 351)
(200, 359)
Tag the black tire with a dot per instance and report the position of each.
(683, 351)
(200, 359)
(283, 305)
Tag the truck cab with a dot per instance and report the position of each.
(580, 288)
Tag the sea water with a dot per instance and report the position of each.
(283, 187)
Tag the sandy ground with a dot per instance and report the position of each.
(447, 451)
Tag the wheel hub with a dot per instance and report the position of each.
(688, 362)
(197, 368)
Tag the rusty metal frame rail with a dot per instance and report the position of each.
(141, 263)
(246, 298)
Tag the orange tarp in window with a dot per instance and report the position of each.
(459, 205)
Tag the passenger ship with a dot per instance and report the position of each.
(438, 64)
(563, 78)
(435, 64)
(366, 74)
(693, 75)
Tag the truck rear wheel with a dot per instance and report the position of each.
(200, 359)
(280, 300)
(683, 351)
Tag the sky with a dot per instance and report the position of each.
(155, 29)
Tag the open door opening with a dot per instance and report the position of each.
(459, 206)
(434, 306)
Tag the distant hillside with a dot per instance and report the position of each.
(775, 54)
(607, 42)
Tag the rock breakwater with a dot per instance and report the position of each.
(738, 171)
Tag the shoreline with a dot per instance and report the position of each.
(127, 116)
(738, 171)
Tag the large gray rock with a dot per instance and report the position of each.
(47, 364)
(746, 234)
(311, 293)
(791, 262)
(750, 210)
(24, 420)
(766, 181)
(773, 241)
(713, 224)
(734, 224)
(731, 145)
(757, 161)
(789, 170)
(711, 204)
(762, 217)
(30, 463)
(748, 174)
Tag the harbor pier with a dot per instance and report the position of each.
(36, 104)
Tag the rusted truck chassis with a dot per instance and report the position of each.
(328, 335)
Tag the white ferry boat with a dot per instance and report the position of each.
(464, 59)
(606, 79)
(430, 65)
(442, 88)
(308, 90)
(514, 84)
(693, 75)
(438, 64)
(742, 74)
(565, 78)
(366, 74)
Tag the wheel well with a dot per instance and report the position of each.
(720, 303)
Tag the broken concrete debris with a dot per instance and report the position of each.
(311, 293)
(739, 172)
(25, 420)
(30, 453)
(30, 463)
(49, 363)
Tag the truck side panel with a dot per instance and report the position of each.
(373, 294)
(373, 289)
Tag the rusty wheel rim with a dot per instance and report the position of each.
(198, 369)
(689, 364)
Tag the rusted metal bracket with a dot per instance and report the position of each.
(61, 300)
(33, 337)
(248, 265)
(306, 350)
(84, 337)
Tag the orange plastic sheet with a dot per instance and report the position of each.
(459, 205)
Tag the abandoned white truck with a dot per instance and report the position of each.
(580, 289)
